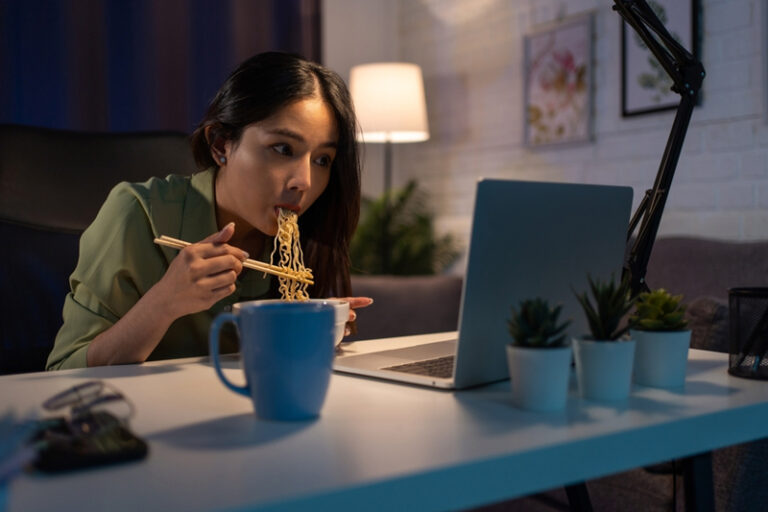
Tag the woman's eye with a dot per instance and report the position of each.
(324, 161)
(282, 149)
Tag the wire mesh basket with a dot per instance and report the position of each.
(748, 309)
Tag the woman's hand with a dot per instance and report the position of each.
(355, 303)
(202, 274)
(198, 276)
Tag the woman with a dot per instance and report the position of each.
(280, 133)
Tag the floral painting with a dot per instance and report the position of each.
(558, 97)
(646, 86)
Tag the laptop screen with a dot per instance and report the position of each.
(528, 240)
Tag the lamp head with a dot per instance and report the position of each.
(389, 102)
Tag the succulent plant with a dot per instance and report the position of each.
(658, 310)
(611, 302)
(535, 325)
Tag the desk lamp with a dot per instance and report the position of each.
(687, 74)
(391, 108)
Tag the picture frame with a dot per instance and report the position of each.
(645, 86)
(557, 73)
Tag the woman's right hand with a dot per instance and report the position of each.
(202, 274)
(199, 276)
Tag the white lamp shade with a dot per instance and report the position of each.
(389, 102)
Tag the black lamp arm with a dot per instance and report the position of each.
(687, 74)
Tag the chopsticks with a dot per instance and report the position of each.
(287, 273)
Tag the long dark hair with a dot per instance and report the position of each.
(256, 90)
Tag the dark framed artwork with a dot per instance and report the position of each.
(645, 86)
(558, 83)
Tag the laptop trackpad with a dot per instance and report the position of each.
(385, 358)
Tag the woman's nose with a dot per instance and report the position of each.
(301, 175)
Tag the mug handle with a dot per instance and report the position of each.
(216, 326)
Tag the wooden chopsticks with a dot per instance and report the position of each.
(287, 273)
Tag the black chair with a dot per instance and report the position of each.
(52, 184)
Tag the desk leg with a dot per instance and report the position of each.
(697, 481)
(578, 497)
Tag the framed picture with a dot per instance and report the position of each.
(645, 86)
(558, 83)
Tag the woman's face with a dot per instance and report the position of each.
(283, 161)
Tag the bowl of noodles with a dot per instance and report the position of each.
(340, 309)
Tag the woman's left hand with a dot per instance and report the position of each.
(355, 303)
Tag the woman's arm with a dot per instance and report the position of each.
(199, 276)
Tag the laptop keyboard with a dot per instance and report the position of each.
(438, 367)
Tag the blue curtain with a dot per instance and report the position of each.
(135, 65)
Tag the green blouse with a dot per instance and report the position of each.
(119, 263)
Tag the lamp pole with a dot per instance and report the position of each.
(387, 167)
(386, 245)
(687, 74)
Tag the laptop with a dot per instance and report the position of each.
(529, 239)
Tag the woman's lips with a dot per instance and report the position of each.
(292, 207)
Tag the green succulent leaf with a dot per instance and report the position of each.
(606, 307)
(658, 310)
(535, 324)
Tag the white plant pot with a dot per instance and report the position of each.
(539, 377)
(661, 358)
(604, 369)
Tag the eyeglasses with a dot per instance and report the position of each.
(95, 432)
(95, 406)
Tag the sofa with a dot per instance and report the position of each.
(703, 271)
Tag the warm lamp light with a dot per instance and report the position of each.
(389, 102)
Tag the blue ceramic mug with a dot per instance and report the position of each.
(286, 350)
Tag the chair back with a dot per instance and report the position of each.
(52, 184)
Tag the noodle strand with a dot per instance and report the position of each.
(291, 257)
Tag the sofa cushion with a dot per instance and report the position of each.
(699, 267)
(405, 305)
(708, 320)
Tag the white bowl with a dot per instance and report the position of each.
(341, 309)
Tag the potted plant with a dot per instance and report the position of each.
(604, 357)
(396, 236)
(659, 328)
(539, 356)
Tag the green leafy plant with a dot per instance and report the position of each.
(611, 302)
(658, 310)
(396, 236)
(535, 325)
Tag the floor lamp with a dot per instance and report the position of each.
(391, 108)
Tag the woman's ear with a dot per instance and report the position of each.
(217, 144)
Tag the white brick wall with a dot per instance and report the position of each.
(471, 52)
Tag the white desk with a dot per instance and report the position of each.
(377, 445)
